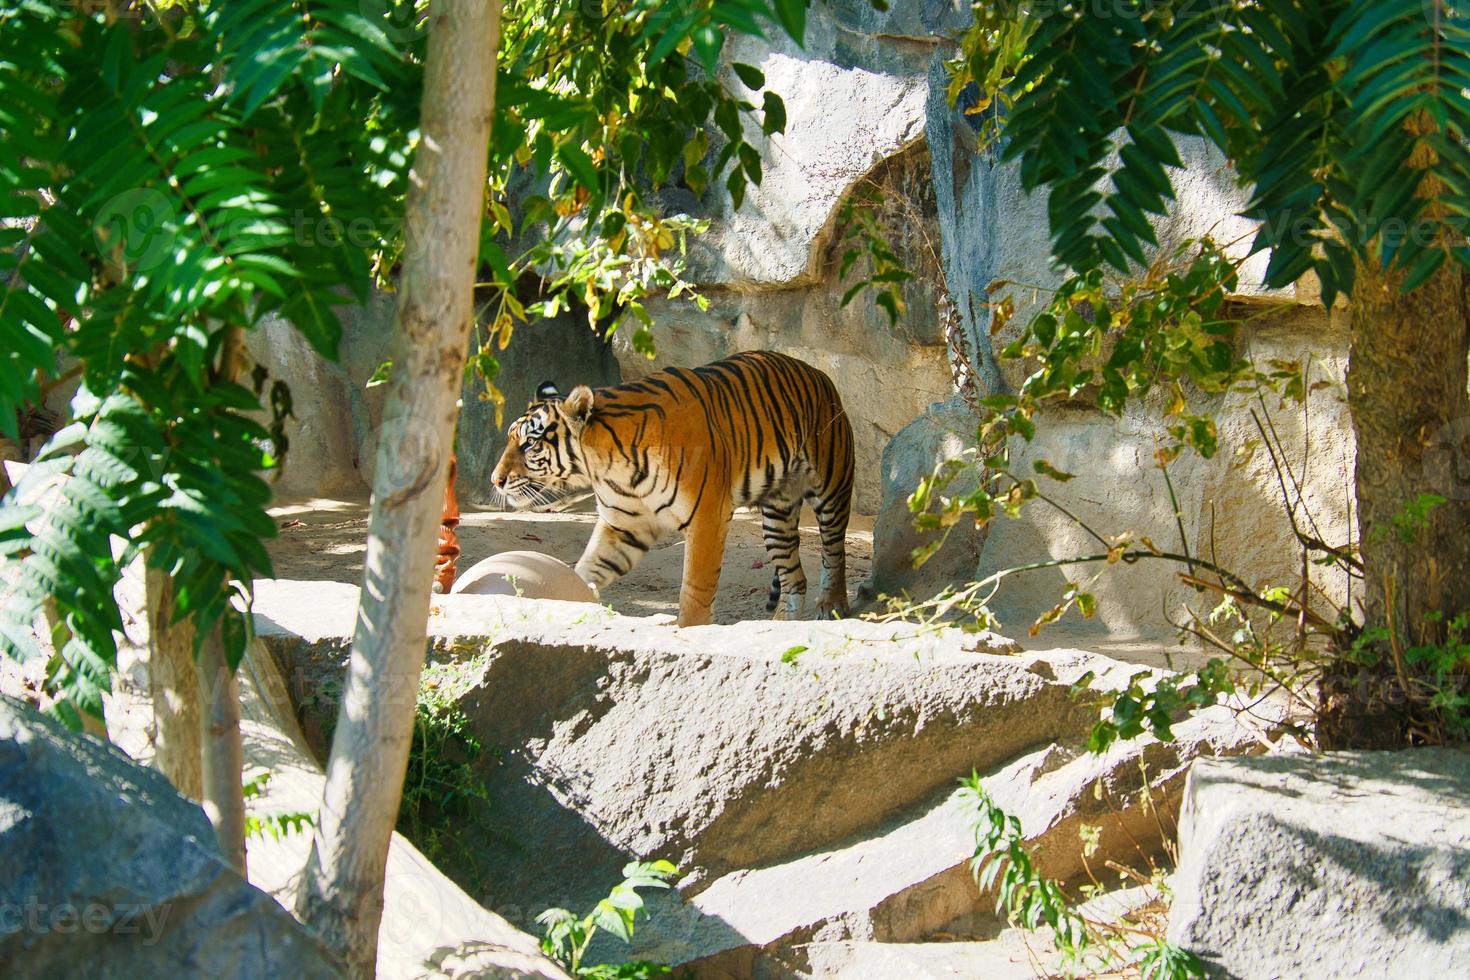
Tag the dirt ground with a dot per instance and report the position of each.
(324, 540)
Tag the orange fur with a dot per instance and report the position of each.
(679, 450)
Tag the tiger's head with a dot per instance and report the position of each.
(543, 451)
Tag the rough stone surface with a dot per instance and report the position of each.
(336, 417)
(941, 433)
(110, 873)
(430, 927)
(1348, 864)
(1012, 954)
(854, 94)
(800, 774)
(992, 960)
(910, 878)
(334, 434)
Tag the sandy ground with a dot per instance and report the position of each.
(324, 540)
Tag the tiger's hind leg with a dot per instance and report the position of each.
(779, 526)
(832, 518)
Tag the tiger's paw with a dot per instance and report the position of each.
(831, 609)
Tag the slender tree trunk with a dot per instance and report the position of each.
(341, 894)
(174, 688)
(222, 755)
(1406, 385)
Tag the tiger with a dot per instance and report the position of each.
(679, 450)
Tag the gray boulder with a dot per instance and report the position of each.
(801, 774)
(108, 872)
(940, 434)
(910, 878)
(1352, 864)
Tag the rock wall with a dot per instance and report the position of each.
(868, 110)
(333, 436)
(855, 98)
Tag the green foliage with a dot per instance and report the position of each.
(601, 105)
(278, 825)
(864, 238)
(1088, 947)
(1433, 675)
(1153, 707)
(442, 791)
(791, 653)
(170, 174)
(1412, 519)
(153, 163)
(567, 936)
(273, 825)
(1348, 117)
(1444, 676)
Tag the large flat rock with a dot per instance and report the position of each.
(911, 878)
(1346, 864)
(801, 774)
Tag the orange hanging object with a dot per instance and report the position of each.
(444, 565)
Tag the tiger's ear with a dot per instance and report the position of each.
(577, 407)
(546, 391)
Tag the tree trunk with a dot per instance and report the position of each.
(342, 889)
(1406, 384)
(174, 688)
(222, 755)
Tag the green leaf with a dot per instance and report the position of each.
(774, 114)
(708, 41)
(753, 77)
(580, 165)
(791, 15)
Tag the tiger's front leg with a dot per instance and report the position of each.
(704, 552)
(611, 553)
